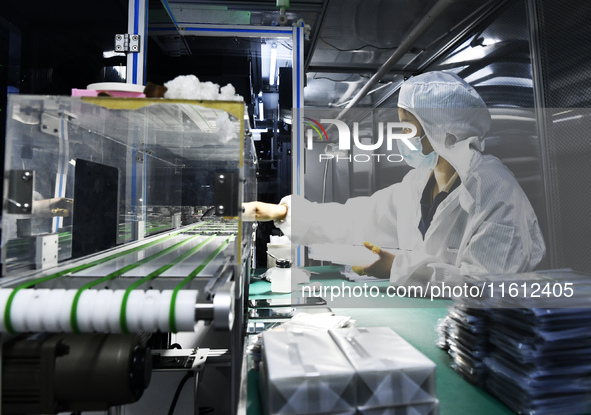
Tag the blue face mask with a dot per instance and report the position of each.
(416, 158)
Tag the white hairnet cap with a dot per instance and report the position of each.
(451, 112)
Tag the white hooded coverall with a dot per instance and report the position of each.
(486, 225)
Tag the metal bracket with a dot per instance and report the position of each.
(140, 230)
(20, 192)
(176, 220)
(127, 43)
(50, 124)
(179, 359)
(46, 251)
(188, 359)
(226, 194)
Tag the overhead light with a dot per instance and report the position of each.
(490, 41)
(273, 65)
(261, 109)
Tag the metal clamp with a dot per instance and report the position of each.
(46, 251)
(226, 193)
(51, 124)
(20, 191)
(127, 43)
(188, 359)
(179, 359)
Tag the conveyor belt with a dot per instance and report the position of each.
(185, 254)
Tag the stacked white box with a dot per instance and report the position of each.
(390, 372)
(305, 373)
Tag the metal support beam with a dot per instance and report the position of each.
(314, 6)
(136, 25)
(478, 18)
(297, 131)
(542, 123)
(173, 20)
(426, 22)
(217, 30)
(315, 36)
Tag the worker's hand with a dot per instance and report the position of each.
(380, 268)
(263, 212)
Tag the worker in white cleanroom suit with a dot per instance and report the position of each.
(459, 212)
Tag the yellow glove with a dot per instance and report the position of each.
(380, 268)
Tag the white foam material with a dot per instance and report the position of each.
(190, 87)
(226, 129)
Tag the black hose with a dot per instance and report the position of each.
(178, 392)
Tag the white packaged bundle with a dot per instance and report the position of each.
(305, 373)
(390, 372)
(428, 408)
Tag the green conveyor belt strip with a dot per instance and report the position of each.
(151, 276)
(158, 228)
(193, 274)
(29, 284)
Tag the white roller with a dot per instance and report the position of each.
(133, 310)
(149, 317)
(185, 310)
(42, 310)
(142, 311)
(99, 321)
(113, 312)
(20, 309)
(86, 309)
(50, 310)
(34, 317)
(65, 311)
(164, 310)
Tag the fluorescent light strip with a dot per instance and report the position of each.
(273, 66)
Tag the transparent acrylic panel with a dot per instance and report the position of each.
(101, 172)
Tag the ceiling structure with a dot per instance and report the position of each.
(348, 42)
